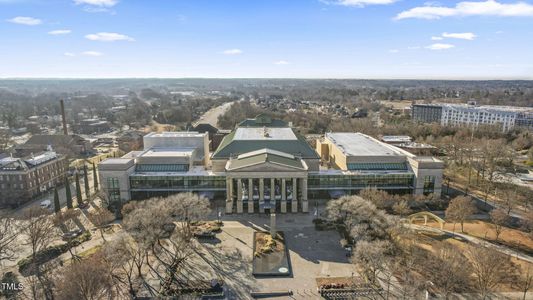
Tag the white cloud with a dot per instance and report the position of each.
(469, 8)
(394, 51)
(232, 52)
(92, 53)
(25, 21)
(359, 3)
(436, 38)
(439, 46)
(463, 36)
(69, 54)
(108, 37)
(101, 3)
(281, 62)
(59, 32)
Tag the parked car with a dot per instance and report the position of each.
(46, 204)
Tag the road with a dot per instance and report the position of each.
(211, 116)
(49, 195)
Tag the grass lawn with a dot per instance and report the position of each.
(509, 237)
(427, 241)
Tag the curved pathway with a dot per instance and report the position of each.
(477, 241)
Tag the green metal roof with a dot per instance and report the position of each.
(229, 146)
(262, 120)
(264, 156)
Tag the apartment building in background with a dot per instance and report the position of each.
(448, 114)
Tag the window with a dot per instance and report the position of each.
(162, 168)
(113, 183)
(113, 186)
(377, 166)
(429, 184)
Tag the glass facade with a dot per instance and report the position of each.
(320, 186)
(162, 168)
(177, 182)
(429, 184)
(377, 166)
(113, 189)
(358, 181)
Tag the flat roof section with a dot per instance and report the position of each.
(176, 134)
(264, 133)
(168, 152)
(358, 144)
(115, 161)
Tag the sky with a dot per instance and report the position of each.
(411, 39)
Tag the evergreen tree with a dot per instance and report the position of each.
(95, 178)
(78, 190)
(57, 205)
(68, 193)
(86, 181)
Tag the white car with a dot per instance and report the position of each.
(46, 204)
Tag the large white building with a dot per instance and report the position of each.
(473, 115)
(265, 165)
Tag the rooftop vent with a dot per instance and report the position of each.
(265, 132)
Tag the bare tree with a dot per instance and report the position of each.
(490, 268)
(459, 209)
(361, 218)
(527, 223)
(39, 231)
(381, 199)
(8, 236)
(125, 259)
(401, 208)
(525, 281)
(187, 208)
(499, 219)
(450, 270)
(406, 267)
(101, 217)
(373, 257)
(148, 223)
(86, 279)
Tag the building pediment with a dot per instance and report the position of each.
(266, 160)
(266, 168)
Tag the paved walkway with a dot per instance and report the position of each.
(312, 254)
(477, 241)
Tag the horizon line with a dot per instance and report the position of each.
(282, 78)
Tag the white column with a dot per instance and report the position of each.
(305, 203)
(261, 194)
(283, 196)
(250, 196)
(229, 200)
(272, 195)
(294, 206)
(239, 195)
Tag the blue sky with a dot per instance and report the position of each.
(475, 39)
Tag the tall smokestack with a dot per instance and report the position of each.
(64, 117)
